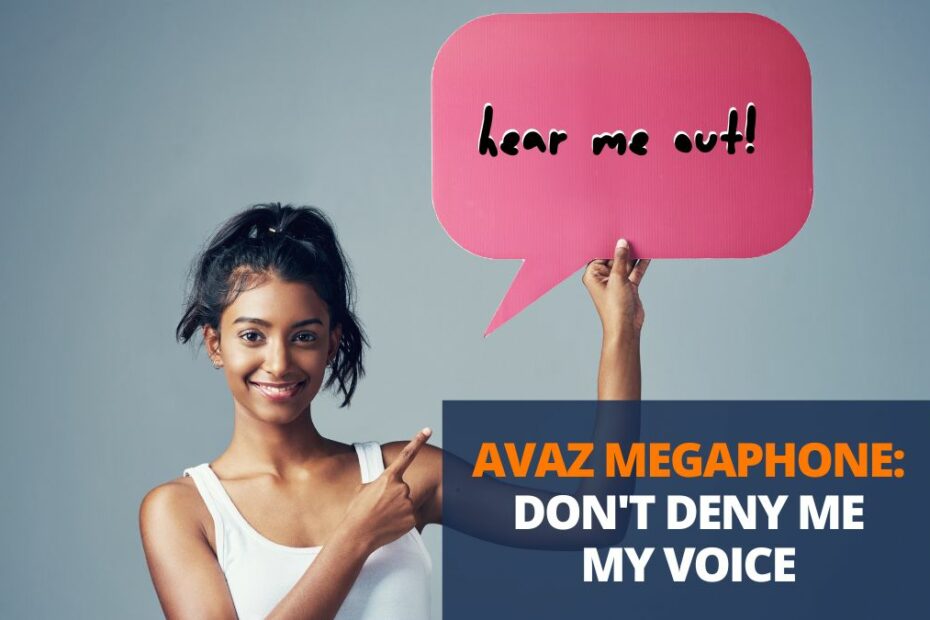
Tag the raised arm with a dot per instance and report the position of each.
(614, 287)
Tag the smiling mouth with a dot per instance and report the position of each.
(278, 392)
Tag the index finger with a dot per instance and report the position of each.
(406, 456)
(636, 276)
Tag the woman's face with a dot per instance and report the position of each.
(274, 343)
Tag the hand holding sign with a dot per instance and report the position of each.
(614, 288)
(689, 134)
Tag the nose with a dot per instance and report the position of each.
(277, 358)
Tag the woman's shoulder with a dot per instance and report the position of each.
(179, 490)
(424, 477)
(180, 552)
(426, 466)
(174, 504)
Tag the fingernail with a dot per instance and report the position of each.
(622, 243)
(427, 431)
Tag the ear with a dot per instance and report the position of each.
(335, 337)
(211, 340)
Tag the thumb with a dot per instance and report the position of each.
(621, 256)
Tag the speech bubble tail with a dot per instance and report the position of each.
(535, 278)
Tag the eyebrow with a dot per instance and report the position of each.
(264, 323)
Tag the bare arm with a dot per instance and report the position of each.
(614, 288)
(381, 512)
(190, 583)
(184, 570)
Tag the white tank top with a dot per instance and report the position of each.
(392, 585)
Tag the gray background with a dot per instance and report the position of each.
(128, 131)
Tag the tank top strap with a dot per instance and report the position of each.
(370, 460)
(213, 498)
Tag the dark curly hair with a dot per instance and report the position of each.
(297, 244)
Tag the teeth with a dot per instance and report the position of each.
(286, 388)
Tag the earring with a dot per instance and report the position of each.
(217, 364)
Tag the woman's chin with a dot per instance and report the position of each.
(277, 414)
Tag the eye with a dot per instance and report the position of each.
(304, 337)
(251, 336)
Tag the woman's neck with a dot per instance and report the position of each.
(283, 450)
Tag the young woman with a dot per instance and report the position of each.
(286, 523)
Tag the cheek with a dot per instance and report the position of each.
(313, 363)
(243, 361)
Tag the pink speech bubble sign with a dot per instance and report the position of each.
(590, 74)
